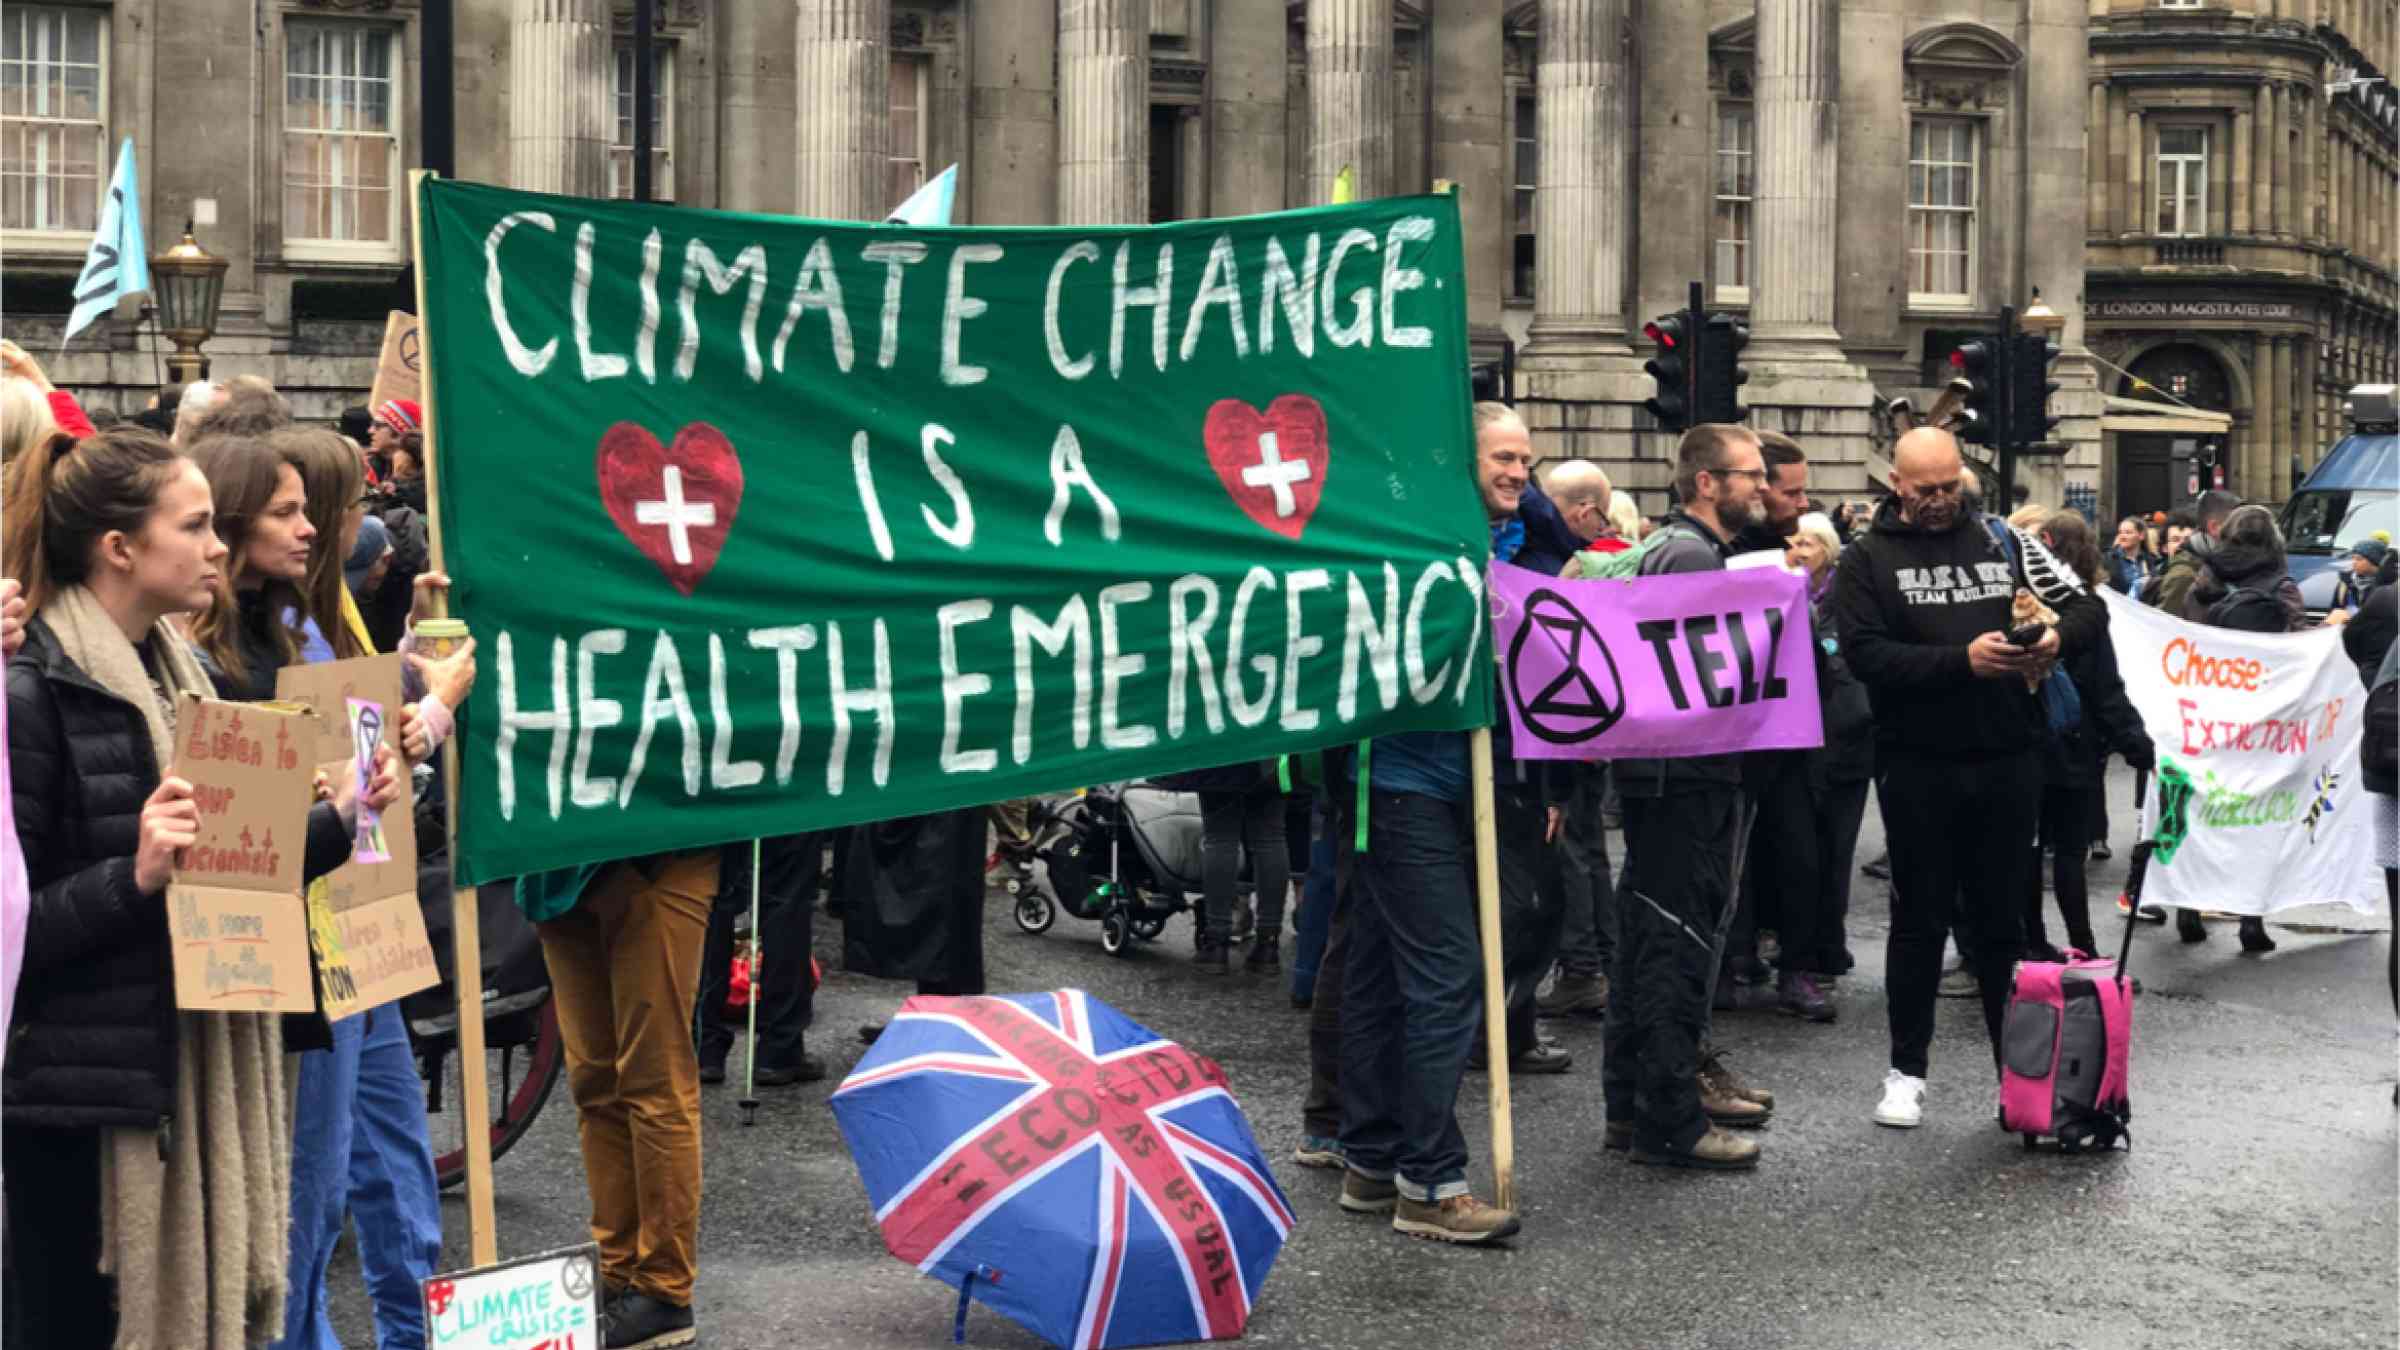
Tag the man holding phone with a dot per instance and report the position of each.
(1923, 600)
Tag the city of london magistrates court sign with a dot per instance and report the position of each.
(2193, 309)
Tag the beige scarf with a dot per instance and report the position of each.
(197, 1242)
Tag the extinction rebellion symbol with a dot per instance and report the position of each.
(1575, 697)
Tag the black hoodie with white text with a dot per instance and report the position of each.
(1909, 601)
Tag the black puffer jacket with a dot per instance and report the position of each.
(92, 1042)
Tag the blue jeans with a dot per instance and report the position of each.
(361, 1148)
(1411, 997)
(1313, 925)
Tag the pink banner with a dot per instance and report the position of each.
(1669, 667)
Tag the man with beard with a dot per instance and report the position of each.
(1675, 896)
(1923, 601)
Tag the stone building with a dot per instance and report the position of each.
(1865, 212)
(2242, 243)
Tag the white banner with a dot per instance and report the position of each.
(2257, 739)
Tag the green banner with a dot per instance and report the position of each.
(767, 525)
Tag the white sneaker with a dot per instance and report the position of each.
(1903, 1104)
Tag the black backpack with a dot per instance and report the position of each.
(2379, 753)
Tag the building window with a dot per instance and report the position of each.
(53, 133)
(341, 137)
(1737, 159)
(907, 145)
(1941, 211)
(1528, 178)
(662, 105)
(2182, 180)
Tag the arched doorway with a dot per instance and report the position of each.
(2155, 471)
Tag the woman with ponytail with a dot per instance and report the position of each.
(152, 1146)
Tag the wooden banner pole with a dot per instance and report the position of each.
(466, 934)
(1495, 990)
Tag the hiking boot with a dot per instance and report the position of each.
(1266, 954)
(2254, 936)
(1903, 1104)
(1959, 982)
(2188, 926)
(1616, 1135)
(1586, 995)
(1363, 1194)
(809, 1069)
(1213, 957)
(1315, 1150)
(1797, 993)
(1714, 1070)
(1461, 1218)
(1544, 1057)
(1716, 1151)
(1879, 866)
(641, 1322)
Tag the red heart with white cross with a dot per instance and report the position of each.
(1273, 463)
(675, 502)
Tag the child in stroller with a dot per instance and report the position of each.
(1126, 855)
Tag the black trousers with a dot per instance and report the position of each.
(1252, 821)
(1533, 905)
(1321, 1113)
(1588, 936)
(1800, 855)
(1672, 901)
(2066, 816)
(1959, 830)
(791, 867)
(56, 1298)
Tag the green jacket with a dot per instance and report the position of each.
(2175, 583)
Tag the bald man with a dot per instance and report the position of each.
(1922, 602)
(1580, 489)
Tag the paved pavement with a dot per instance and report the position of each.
(2257, 1207)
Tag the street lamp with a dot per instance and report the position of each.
(189, 281)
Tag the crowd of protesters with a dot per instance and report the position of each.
(203, 545)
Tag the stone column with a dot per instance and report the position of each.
(2259, 447)
(2308, 439)
(1872, 175)
(1791, 305)
(1247, 93)
(845, 75)
(2240, 187)
(2097, 161)
(2287, 165)
(2304, 108)
(1470, 148)
(1349, 96)
(2262, 163)
(1103, 112)
(1012, 151)
(2137, 162)
(758, 105)
(1675, 164)
(1580, 210)
(2278, 469)
(558, 109)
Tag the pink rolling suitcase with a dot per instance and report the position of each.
(2065, 1042)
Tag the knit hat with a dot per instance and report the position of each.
(2373, 550)
(401, 415)
(373, 542)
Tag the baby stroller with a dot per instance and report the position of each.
(1126, 855)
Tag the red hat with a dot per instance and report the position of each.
(401, 415)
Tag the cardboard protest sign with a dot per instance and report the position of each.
(545, 1302)
(234, 913)
(364, 925)
(771, 525)
(2259, 805)
(399, 370)
(1698, 663)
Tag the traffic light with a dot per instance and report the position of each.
(1672, 368)
(2029, 390)
(1979, 418)
(1719, 370)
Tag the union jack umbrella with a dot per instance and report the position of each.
(1065, 1165)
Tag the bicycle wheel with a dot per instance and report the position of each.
(518, 1078)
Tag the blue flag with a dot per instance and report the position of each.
(118, 265)
(930, 204)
